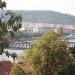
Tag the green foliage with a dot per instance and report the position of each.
(7, 53)
(68, 69)
(2, 4)
(1, 47)
(8, 25)
(72, 50)
(49, 54)
(16, 70)
(27, 55)
(14, 55)
(14, 21)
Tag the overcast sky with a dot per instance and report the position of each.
(64, 6)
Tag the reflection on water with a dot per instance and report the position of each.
(15, 50)
(11, 50)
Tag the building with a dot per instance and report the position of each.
(71, 40)
(44, 27)
(5, 67)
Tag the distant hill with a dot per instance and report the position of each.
(46, 17)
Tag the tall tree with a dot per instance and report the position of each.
(49, 54)
(9, 23)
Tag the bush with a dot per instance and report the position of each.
(68, 70)
(16, 70)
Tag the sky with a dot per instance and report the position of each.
(64, 6)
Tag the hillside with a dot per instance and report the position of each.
(46, 17)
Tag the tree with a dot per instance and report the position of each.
(16, 70)
(10, 22)
(14, 55)
(2, 4)
(49, 54)
(68, 69)
(72, 50)
(7, 53)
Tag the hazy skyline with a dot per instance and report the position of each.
(64, 6)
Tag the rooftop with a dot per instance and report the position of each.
(5, 67)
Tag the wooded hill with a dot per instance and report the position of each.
(46, 17)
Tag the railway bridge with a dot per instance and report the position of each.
(20, 44)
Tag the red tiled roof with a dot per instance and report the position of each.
(5, 67)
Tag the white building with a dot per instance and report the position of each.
(71, 40)
(43, 27)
